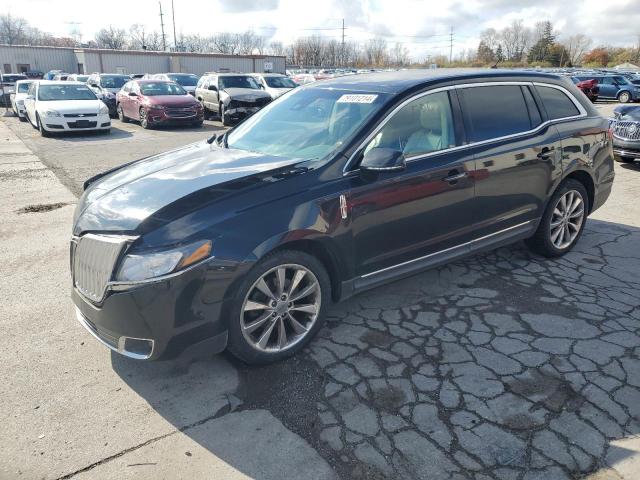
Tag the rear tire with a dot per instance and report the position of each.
(627, 159)
(624, 97)
(563, 220)
(308, 309)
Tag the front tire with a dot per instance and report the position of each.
(123, 118)
(624, 97)
(278, 307)
(224, 118)
(144, 119)
(563, 221)
(40, 127)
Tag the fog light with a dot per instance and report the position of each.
(140, 348)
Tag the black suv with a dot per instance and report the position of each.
(339, 186)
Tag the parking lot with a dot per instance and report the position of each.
(505, 365)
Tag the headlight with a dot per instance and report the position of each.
(103, 109)
(50, 113)
(144, 266)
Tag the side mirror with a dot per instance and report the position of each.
(133, 94)
(213, 88)
(383, 160)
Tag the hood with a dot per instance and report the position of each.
(171, 100)
(630, 113)
(71, 106)
(246, 94)
(126, 198)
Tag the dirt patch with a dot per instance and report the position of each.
(41, 207)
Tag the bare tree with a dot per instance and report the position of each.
(577, 46)
(375, 51)
(399, 55)
(12, 29)
(515, 40)
(112, 38)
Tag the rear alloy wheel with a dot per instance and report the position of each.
(123, 118)
(279, 308)
(563, 220)
(624, 97)
(144, 119)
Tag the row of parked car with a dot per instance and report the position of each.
(88, 102)
(623, 87)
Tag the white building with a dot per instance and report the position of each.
(19, 59)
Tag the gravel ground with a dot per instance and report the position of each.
(502, 366)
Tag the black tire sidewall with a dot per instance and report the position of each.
(543, 236)
(238, 346)
(42, 130)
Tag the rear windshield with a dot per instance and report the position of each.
(64, 92)
(113, 81)
(13, 78)
(152, 89)
(185, 80)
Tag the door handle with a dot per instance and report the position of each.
(545, 153)
(454, 176)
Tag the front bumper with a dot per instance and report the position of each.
(626, 148)
(75, 124)
(162, 117)
(240, 113)
(161, 319)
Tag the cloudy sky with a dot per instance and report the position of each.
(423, 26)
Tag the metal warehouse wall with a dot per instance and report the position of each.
(43, 59)
(110, 61)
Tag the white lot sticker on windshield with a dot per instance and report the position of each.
(352, 98)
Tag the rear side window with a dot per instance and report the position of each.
(495, 111)
(556, 103)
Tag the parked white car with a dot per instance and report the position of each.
(17, 98)
(275, 84)
(65, 106)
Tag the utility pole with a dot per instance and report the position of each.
(451, 45)
(342, 51)
(164, 43)
(173, 16)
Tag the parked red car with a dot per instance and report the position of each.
(590, 89)
(157, 102)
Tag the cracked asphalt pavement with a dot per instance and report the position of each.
(505, 365)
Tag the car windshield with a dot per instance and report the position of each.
(113, 81)
(152, 89)
(23, 87)
(64, 92)
(185, 80)
(308, 123)
(238, 81)
(280, 82)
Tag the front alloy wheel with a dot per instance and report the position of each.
(144, 119)
(279, 308)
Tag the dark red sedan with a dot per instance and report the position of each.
(157, 102)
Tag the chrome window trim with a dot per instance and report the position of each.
(363, 144)
(465, 244)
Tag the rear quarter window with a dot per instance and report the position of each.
(495, 111)
(557, 103)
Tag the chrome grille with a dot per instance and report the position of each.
(180, 112)
(628, 130)
(94, 259)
